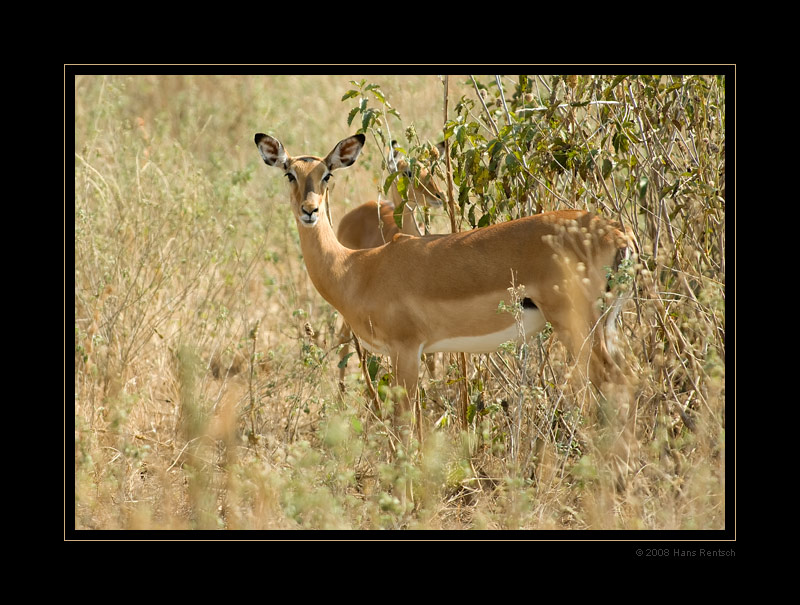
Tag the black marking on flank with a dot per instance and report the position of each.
(527, 303)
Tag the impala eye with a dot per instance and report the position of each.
(327, 177)
(290, 176)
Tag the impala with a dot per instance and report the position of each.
(372, 224)
(418, 295)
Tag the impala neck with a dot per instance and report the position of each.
(326, 259)
(410, 225)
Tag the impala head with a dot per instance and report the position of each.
(424, 190)
(308, 175)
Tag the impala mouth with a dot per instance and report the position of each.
(309, 218)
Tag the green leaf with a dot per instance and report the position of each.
(366, 120)
(384, 386)
(643, 181)
(343, 363)
(674, 86)
(470, 161)
(402, 185)
(350, 94)
(620, 142)
(387, 184)
(511, 162)
(398, 215)
(607, 93)
(463, 194)
(617, 80)
(379, 95)
(471, 408)
(461, 134)
(606, 169)
(373, 365)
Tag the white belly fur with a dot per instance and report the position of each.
(532, 320)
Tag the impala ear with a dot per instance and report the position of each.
(271, 150)
(397, 161)
(391, 160)
(345, 153)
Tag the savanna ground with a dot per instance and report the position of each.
(207, 390)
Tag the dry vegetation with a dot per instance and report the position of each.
(206, 380)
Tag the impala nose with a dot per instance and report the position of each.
(309, 209)
(309, 216)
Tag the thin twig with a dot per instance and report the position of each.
(450, 193)
(485, 109)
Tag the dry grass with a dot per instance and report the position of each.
(206, 392)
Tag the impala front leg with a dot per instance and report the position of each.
(406, 369)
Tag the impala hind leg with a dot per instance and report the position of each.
(583, 337)
(604, 367)
(584, 332)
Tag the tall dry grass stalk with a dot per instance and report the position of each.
(206, 392)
